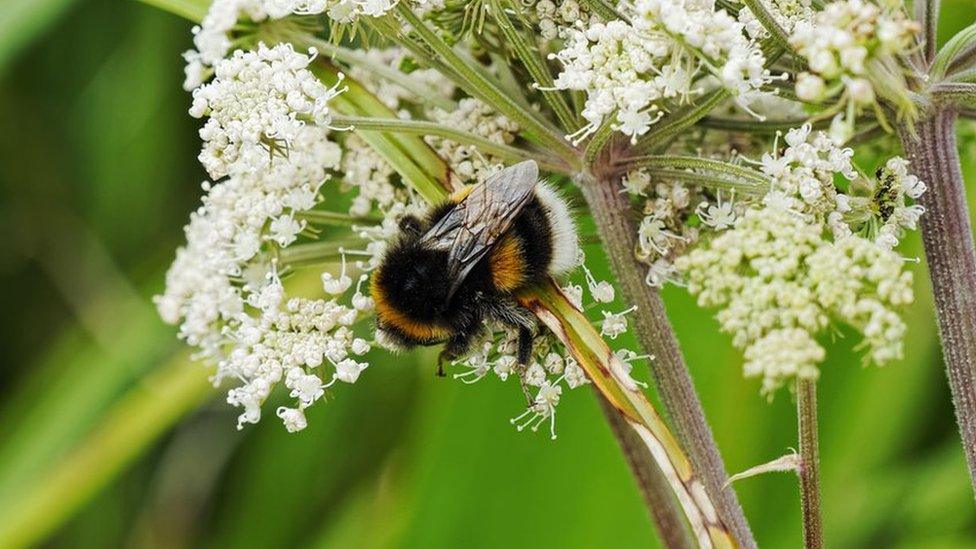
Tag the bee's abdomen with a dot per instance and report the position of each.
(562, 239)
(523, 255)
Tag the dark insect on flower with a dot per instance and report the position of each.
(885, 193)
(467, 260)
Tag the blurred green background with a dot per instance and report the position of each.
(109, 436)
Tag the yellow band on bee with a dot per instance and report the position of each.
(392, 317)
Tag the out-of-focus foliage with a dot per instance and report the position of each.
(97, 175)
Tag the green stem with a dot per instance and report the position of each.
(420, 91)
(947, 234)
(533, 62)
(679, 121)
(423, 127)
(768, 21)
(325, 217)
(313, 253)
(605, 10)
(475, 83)
(809, 471)
(961, 42)
(613, 216)
(755, 126)
(653, 485)
(715, 168)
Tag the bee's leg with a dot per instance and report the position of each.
(455, 348)
(525, 339)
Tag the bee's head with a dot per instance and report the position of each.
(411, 289)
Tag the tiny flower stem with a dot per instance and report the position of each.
(532, 60)
(423, 127)
(605, 10)
(731, 174)
(927, 13)
(961, 92)
(653, 485)
(313, 253)
(477, 84)
(947, 234)
(325, 217)
(768, 21)
(809, 471)
(756, 126)
(949, 54)
(612, 214)
(679, 121)
(357, 59)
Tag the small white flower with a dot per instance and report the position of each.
(293, 418)
(719, 216)
(615, 324)
(348, 370)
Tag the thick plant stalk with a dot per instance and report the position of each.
(653, 485)
(809, 471)
(612, 379)
(613, 216)
(948, 238)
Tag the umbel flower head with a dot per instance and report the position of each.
(669, 52)
(256, 105)
(790, 265)
(225, 289)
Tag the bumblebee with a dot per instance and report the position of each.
(467, 260)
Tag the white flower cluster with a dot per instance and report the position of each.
(779, 281)
(552, 15)
(630, 70)
(372, 177)
(803, 182)
(841, 42)
(548, 371)
(803, 177)
(256, 106)
(212, 38)
(550, 367)
(224, 289)
(468, 165)
(663, 234)
(790, 265)
(787, 14)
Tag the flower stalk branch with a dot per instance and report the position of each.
(611, 213)
(422, 127)
(809, 470)
(948, 238)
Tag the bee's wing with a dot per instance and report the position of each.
(472, 227)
